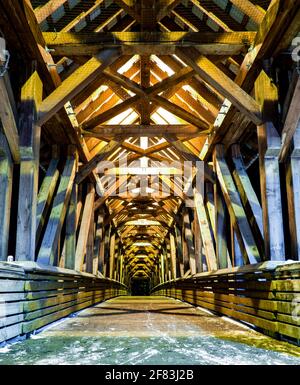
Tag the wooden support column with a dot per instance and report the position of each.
(71, 226)
(30, 132)
(236, 211)
(99, 240)
(202, 219)
(162, 268)
(88, 212)
(121, 273)
(198, 243)
(90, 247)
(269, 145)
(6, 180)
(106, 251)
(173, 256)
(167, 275)
(180, 266)
(116, 258)
(220, 227)
(189, 241)
(112, 255)
(46, 193)
(248, 196)
(8, 119)
(51, 237)
(145, 83)
(295, 186)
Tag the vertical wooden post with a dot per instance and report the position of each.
(235, 208)
(220, 227)
(106, 251)
(162, 268)
(116, 258)
(248, 197)
(46, 193)
(269, 145)
(121, 273)
(198, 243)
(173, 256)
(30, 133)
(167, 278)
(71, 225)
(90, 246)
(99, 240)
(112, 255)
(189, 241)
(201, 218)
(179, 251)
(295, 171)
(48, 250)
(6, 175)
(88, 212)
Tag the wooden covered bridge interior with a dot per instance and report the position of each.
(150, 146)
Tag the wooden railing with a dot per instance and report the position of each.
(32, 296)
(265, 295)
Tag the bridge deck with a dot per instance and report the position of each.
(149, 330)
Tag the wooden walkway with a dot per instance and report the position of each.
(154, 316)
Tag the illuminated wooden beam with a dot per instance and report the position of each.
(46, 10)
(223, 84)
(8, 120)
(292, 121)
(267, 40)
(254, 12)
(90, 166)
(208, 43)
(142, 130)
(30, 136)
(74, 84)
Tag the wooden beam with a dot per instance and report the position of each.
(237, 214)
(90, 166)
(145, 83)
(269, 147)
(248, 196)
(48, 250)
(71, 227)
(6, 185)
(88, 212)
(268, 38)
(189, 241)
(85, 16)
(248, 8)
(111, 191)
(45, 196)
(8, 120)
(167, 8)
(46, 10)
(129, 8)
(99, 240)
(30, 132)
(75, 83)
(144, 43)
(112, 255)
(222, 83)
(180, 112)
(142, 130)
(294, 186)
(220, 227)
(291, 123)
(208, 244)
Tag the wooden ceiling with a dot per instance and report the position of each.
(149, 81)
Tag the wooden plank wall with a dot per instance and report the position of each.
(31, 298)
(263, 295)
